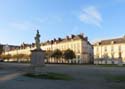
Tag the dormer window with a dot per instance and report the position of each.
(112, 42)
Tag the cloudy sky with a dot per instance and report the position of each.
(97, 19)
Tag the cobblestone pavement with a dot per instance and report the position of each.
(85, 77)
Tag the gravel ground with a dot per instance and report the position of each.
(85, 77)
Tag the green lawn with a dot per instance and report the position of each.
(50, 75)
(110, 65)
(115, 78)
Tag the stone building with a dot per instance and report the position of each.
(111, 50)
(6, 48)
(78, 43)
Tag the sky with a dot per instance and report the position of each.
(97, 19)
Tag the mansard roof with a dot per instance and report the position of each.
(66, 39)
(111, 41)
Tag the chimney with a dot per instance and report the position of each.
(51, 41)
(47, 41)
(82, 34)
(67, 37)
(54, 40)
(72, 36)
(86, 38)
(59, 39)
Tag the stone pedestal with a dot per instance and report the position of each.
(37, 60)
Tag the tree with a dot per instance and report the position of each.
(48, 54)
(8, 56)
(23, 57)
(68, 54)
(27, 57)
(19, 57)
(56, 54)
(15, 57)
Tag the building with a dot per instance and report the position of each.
(110, 50)
(22, 49)
(6, 48)
(78, 43)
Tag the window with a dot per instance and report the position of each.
(112, 55)
(78, 51)
(105, 49)
(97, 49)
(97, 55)
(78, 56)
(105, 55)
(112, 49)
(74, 45)
(119, 48)
(78, 45)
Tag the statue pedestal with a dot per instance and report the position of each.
(37, 60)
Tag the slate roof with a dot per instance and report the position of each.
(111, 41)
(67, 38)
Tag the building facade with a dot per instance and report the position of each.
(6, 48)
(78, 43)
(111, 50)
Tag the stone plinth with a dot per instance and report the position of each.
(37, 57)
(37, 61)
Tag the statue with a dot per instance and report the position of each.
(37, 40)
(37, 55)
